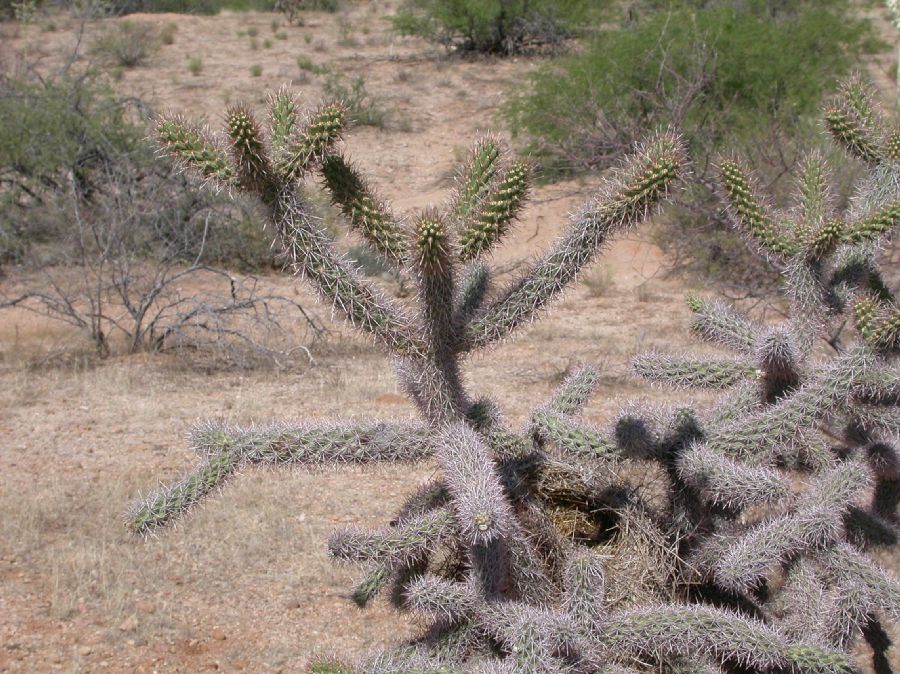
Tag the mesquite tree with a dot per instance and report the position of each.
(688, 539)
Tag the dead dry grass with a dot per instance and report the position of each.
(245, 584)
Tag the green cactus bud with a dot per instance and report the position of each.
(825, 240)
(282, 107)
(814, 198)
(878, 323)
(572, 436)
(575, 391)
(851, 120)
(812, 658)
(694, 303)
(750, 211)
(368, 215)
(432, 243)
(476, 179)
(626, 198)
(312, 143)
(494, 214)
(195, 148)
(248, 149)
(872, 226)
(864, 314)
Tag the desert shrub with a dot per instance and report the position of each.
(127, 44)
(681, 539)
(293, 8)
(741, 77)
(364, 108)
(70, 133)
(306, 64)
(108, 235)
(495, 26)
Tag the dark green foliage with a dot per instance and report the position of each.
(495, 26)
(708, 69)
(68, 135)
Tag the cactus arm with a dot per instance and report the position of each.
(575, 391)
(751, 213)
(877, 386)
(394, 547)
(778, 356)
(312, 143)
(478, 497)
(225, 448)
(862, 580)
(727, 483)
(692, 631)
(371, 585)
(475, 180)
(471, 296)
(809, 306)
(627, 200)
(572, 436)
(313, 444)
(367, 213)
(688, 373)
(168, 503)
(756, 436)
(313, 255)
(435, 382)
(816, 522)
(441, 600)
(718, 323)
(495, 213)
(585, 588)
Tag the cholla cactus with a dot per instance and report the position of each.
(561, 547)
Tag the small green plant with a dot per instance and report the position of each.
(346, 36)
(306, 64)
(254, 44)
(253, 31)
(256, 70)
(362, 108)
(267, 43)
(127, 44)
(281, 35)
(195, 65)
(167, 34)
